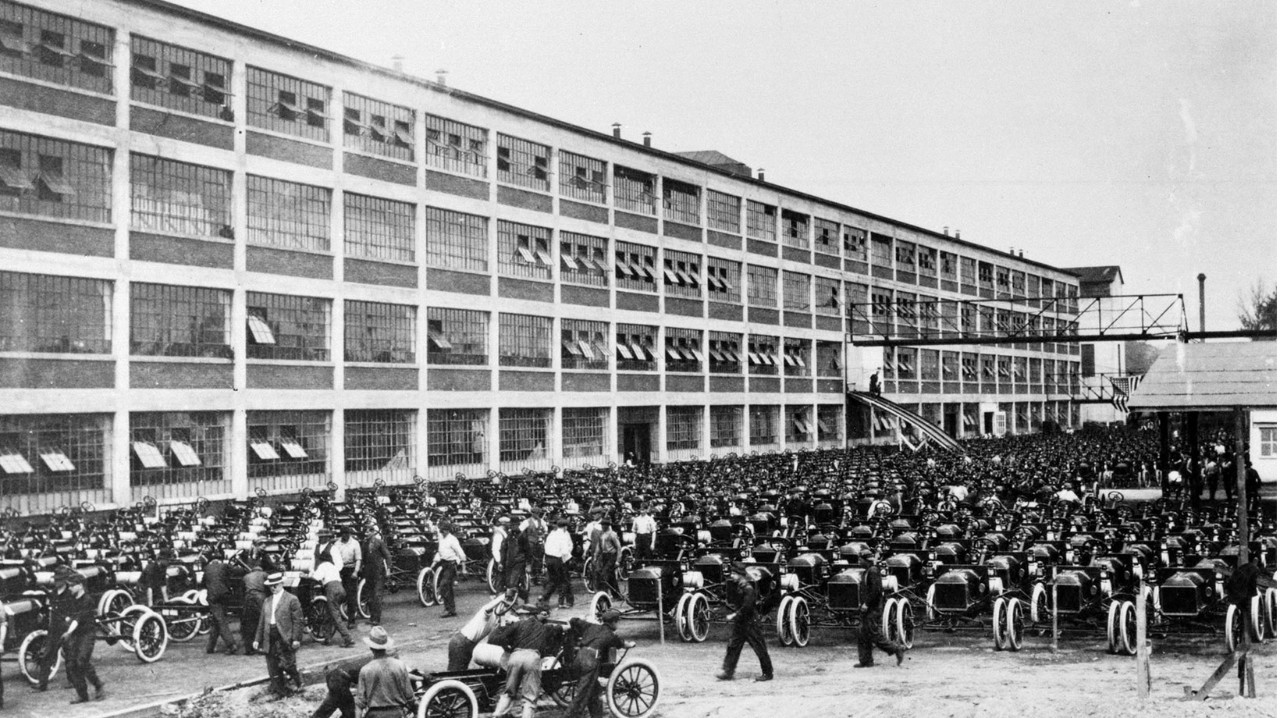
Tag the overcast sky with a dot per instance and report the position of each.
(1136, 133)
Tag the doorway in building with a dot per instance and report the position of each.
(951, 421)
(635, 443)
(988, 422)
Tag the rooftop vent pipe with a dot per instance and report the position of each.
(648, 136)
(442, 77)
(760, 174)
(617, 130)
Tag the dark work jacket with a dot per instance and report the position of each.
(83, 610)
(875, 588)
(215, 580)
(595, 635)
(530, 634)
(744, 597)
(514, 549)
(375, 553)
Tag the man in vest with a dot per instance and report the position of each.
(348, 557)
(535, 530)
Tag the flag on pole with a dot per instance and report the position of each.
(1124, 387)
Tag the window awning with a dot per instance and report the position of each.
(647, 269)
(823, 426)
(697, 354)
(263, 450)
(438, 339)
(526, 255)
(12, 463)
(601, 264)
(754, 358)
(642, 352)
(13, 178)
(968, 420)
(716, 356)
(149, 455)
(688, 277)
(260, 331)
(623, 351)
(586, 350)
(293, 449)
(55, 460)
(404, 136)
(625, 268)
(673, 353)
(672, 278)
(715, 283)
(543, 257)
(571, 347)
(55, 183)
(569, 262)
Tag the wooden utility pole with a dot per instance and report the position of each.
(1245, 668)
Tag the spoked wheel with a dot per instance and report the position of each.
(626, 562)
(362, 598)
(1127, 628)
(888, 626)
(682, 624)
(589, 575)
(633, 689)
(1257, 618)
(150, 637)
(129, 619)
(783, 622)
(906, 623)
(183, 624)
(448, 699)
(1113, 622)
(1234, 628)
(600, 602)
(1014, 625)
(1040, 612)
(1270, 600)
(799, 618)
(113, 602)
(999, 631)
(698, 616)
(492, 574)
(566, 687)
(319, 622)
(427, 587)
(29, 654)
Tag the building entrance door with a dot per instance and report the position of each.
(635, 443)
(951, 421)
(988, 422)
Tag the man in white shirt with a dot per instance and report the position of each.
(496, 541)
(449, 556)
(644, 527)
(348, 557)
(481, 624)
(535, 531)
(330, 580)
(558, 550)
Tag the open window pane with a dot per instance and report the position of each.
(149, 455)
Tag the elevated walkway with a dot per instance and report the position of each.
(930, 431)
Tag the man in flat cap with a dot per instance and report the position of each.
(594, 642)
(449, 556)
(78, 642)
(742, 596)
(349, 559)
(558, 550)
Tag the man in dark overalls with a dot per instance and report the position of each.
(869, 634)
(78, 646)
(594, 643)
(745, 628)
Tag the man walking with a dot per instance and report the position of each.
(78, 643)
(216, 593)
(558, 551)
(515, 556)
(377, 564)
(280, 633)
(348, 558)
(745, 629)
(608, 548)
(497, 544)
(383, 689)
(449, 556)
(255, 594)
(869, 635)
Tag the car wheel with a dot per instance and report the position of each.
(182, 624)
(1127, 627)
(782, 622)
(29, 656)
(682, 623)
(448, 699)
(150, 638)
(1040, 611)
(1233, 628)
(1014, 625)
(998, 624)
(1257, 621)
(491, 576)
(698, 615)
(1270, 596)
(362, 598)
(906, 623)
(633, 689)
(426, 587)
(800, 621)
(888, 625)
(600, 603)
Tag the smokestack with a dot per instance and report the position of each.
(397, 63)
(1011, 252)
(1200, 278)
(1019, 254)
(648, 136)
(617, 130)
(441, 77)
(957, 234)
(760, 174)
(946, 230)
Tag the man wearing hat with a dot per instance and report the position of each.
(515, 556)
(607, 549)
(216, 593)
(280, 633)
(497, 546)
(557, 552)
(58, 620)
(869, 635)
(535, 530)
(348, 558)
(464, 642)
(326, 574)
(449, 556)
(383, 689)
(255, 593)
(377, 565)
(744, 625)
(78, 642)
(524, 643)
(594, 642)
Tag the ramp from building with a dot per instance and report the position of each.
(931, 431)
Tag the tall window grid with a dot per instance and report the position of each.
(635, 346)
(927, 261)
(724, 280)
(288, 215)
(281, 103)
(929, 364)
(53, 178)
(795, 292)
(288, 449)
(168, 320)
(968, 271)
(682, 274)
(524, 163)
(795, 229)
(457, 336)
(179, 454)
(881, 250)
(178, 78)
(826, 292)
(522, 435)
(800, 427)
(584, 260)
(457, 241)
(726, 426)
(796, 357)
(763, 425)
(684, 428)
(376, 127)
(947, 267)
(635, 266)
(724, 212)
(524, 341)
(633, 190)
(524, 250)
(855, 243)
(378, 332)
(684, 350)
(582, 432)
(55, 315)
(725, 352)
(56, 453)
(681, 202)
(762, 354)
(762, 221)
(169, 197)
(826, 236)
(905, 254)
(457, 147)
(830, 424)
(457, 438)
(376, 228)
(56, 48)
(282, 326)
(827, 359)
(582, 178)
(583, 345)
(762, 286)
(379, 444)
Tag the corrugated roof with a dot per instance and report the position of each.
(1209, 377)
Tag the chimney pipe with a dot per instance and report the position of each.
(617, 130)
(1200, 277)
(1011, 252)
(397, 63)
(946, 230)
(1019, 254)
(441, 77)
(647, 138)
(957, 233)
(760, 174)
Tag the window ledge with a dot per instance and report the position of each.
(455, 173)
(59, 220)
(60, 356)
(328, 254)
(394, 262)
(58, 86)
(134, 358)
(544, 192)
(248, 125)
(179, 235)
(567, 198)
(378, 364)
(183, 113)
(374, 155)
(289, 362)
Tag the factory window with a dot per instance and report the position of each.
(584, 260)
(377, 332)
(905, 253)
(724, 279)
(827, 293)
(54, 315)
(881, 250)
(376, 228)
(984, 275)
(288, 444)
(987, 365)
(582, 432)
(524, 250)
(54, 453)
(1018, 283)
(522, 434)
(950, 366)
(287, 104)
(456, 147)
(680, 202)
(377, 127)
(926, 260)
(55, 48)
(725, 352)
(907, 362)
(828, 359)
(172, 321)
(171, 197)
(381, 441)
(524, 341)
(524, 163)
(795, 229)
(635, 346)
(457, 437)
(287, 215)
(762, 221)
(1267, 441)
(968, 271)
(287, 327)
(582, 344)
(800, 428)
(795, 292)
(724, 212)
(180, 447)
(826, 236)
(855, 243)
(796, 357)
(177, 78)
(969, 366)
(929, 364)
(1020, 370)
(830, 423)
(762, 354)
(633, 190)
(682, 274)
(684, 428)
(457, 336)
(764, 425)
(726, 426)
(457, 241)
(947, 262)
(635, 267)
(582, 178)
(762, 286)
(52, 178)
(684, 350)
